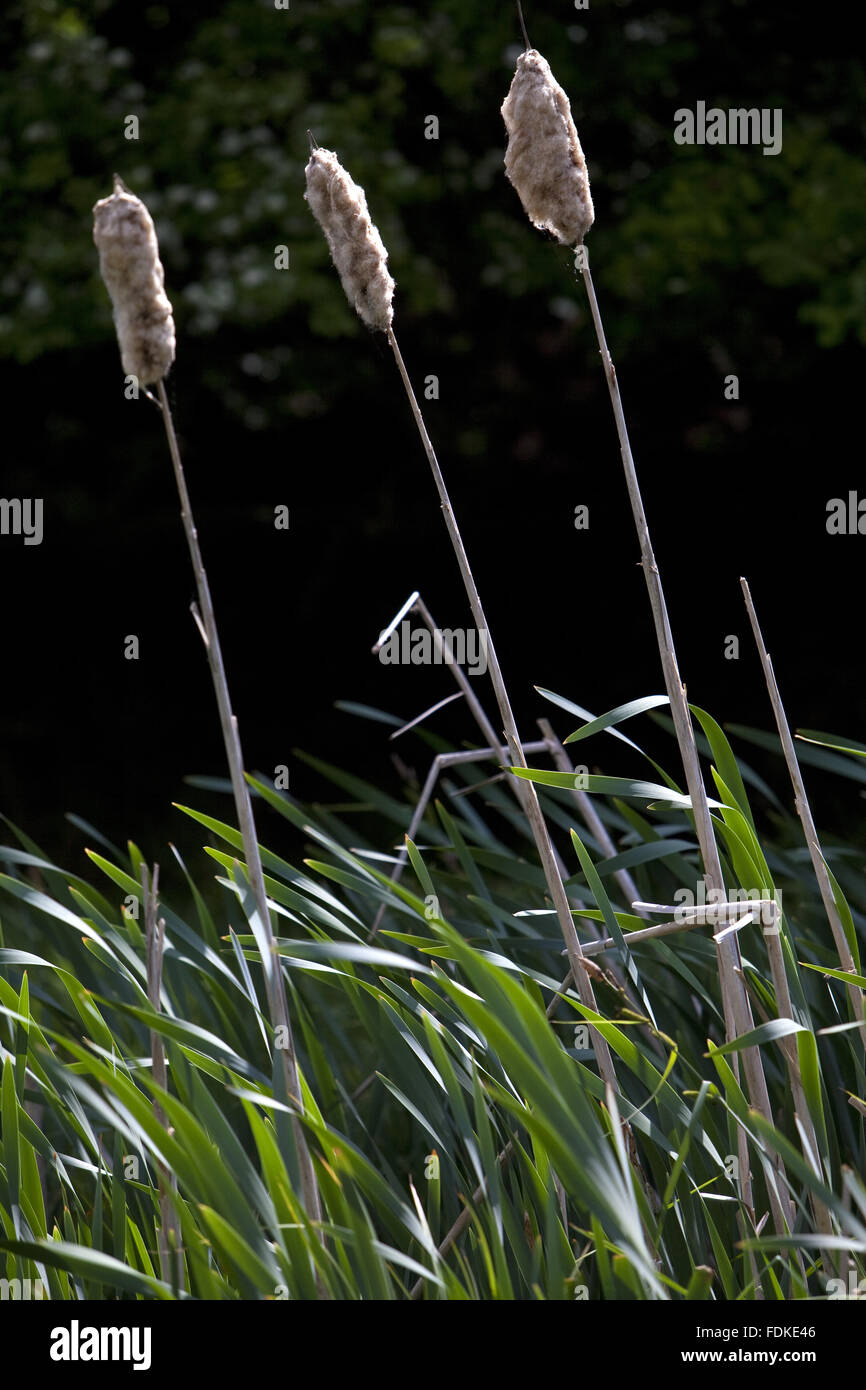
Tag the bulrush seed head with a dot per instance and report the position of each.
(340, 207)
(544, 160)
(130, 266)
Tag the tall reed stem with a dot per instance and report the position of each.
(735, 1000)
(276, 991)
(801, 802)
(515, 748)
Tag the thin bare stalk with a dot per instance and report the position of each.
(276, 991)
(735, 999)
(801, 802)
(478, 712)
(584, 803)
(512, 738)
(519, 787)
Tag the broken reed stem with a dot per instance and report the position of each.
(598, 829)
(592, 819)
(494, 743)
(276, 991)
(477, 710)
(515, 748)
(801, 802)
(169, 1239)
(439, 763)
(735, 999)
(518, 786)
(633, 938)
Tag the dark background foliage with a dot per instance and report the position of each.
(707, 261)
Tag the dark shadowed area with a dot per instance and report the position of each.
(710, 262)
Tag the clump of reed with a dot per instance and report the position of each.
(129, 261)
(359, 255)
(545, 162)
(559, 202)
(535, 1181)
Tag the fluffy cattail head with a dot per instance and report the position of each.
(340, 207)
(544, 160)
(130, 266)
